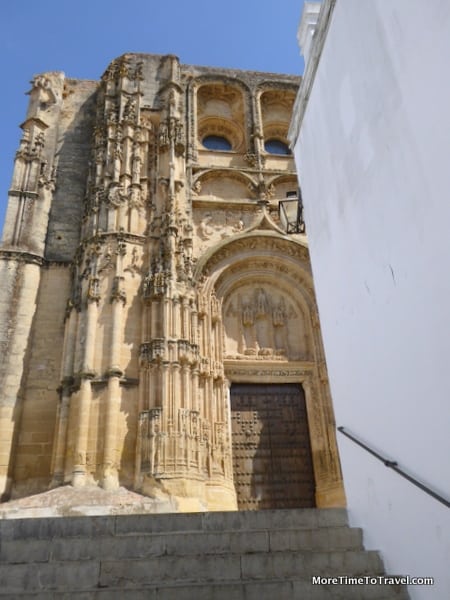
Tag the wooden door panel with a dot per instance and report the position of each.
(271, 450)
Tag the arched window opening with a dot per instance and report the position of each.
(216, 142)
(274, 146)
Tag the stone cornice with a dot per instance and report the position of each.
(203, 170)
(22, 256)
(34, 121)
(122, 236)
(30, 258)
(23, 193)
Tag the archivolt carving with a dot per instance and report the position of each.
(276, 130)
(257, 244)
(200, 183)
(276, 105)
(222, 127)
(228, 95)
(265, 285)
(289, 180)
(224, 186)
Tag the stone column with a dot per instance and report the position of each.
(258, 126)
(185, 379)
(110, 463)
(85, 393)
(60, 443)
(62, 417)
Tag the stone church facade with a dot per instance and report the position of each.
(158, 327)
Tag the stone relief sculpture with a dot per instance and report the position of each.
(205, 229)
(216, 224)
(259, 323)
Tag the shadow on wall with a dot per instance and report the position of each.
(64, 229)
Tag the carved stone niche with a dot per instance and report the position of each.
(276, 108)
(262, 322)
(220, 111)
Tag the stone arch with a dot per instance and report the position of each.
(222, 111)
(277, 269)
(282, 184)
(263, 242)
(222, 127)
(214, 78)
(265, 258)
(224, 184)
(276, 110)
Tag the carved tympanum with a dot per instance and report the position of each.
(263, 323)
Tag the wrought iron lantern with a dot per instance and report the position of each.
(290, 212)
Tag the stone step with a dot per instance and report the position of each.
(203, 556)
(130, 573)
(176, 543)
(280, 589)
(67, 527)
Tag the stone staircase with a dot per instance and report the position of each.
(201, 556)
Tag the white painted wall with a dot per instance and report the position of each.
(374, 161)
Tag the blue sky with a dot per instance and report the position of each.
(82, 37)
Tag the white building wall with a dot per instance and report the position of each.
(374, 161)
